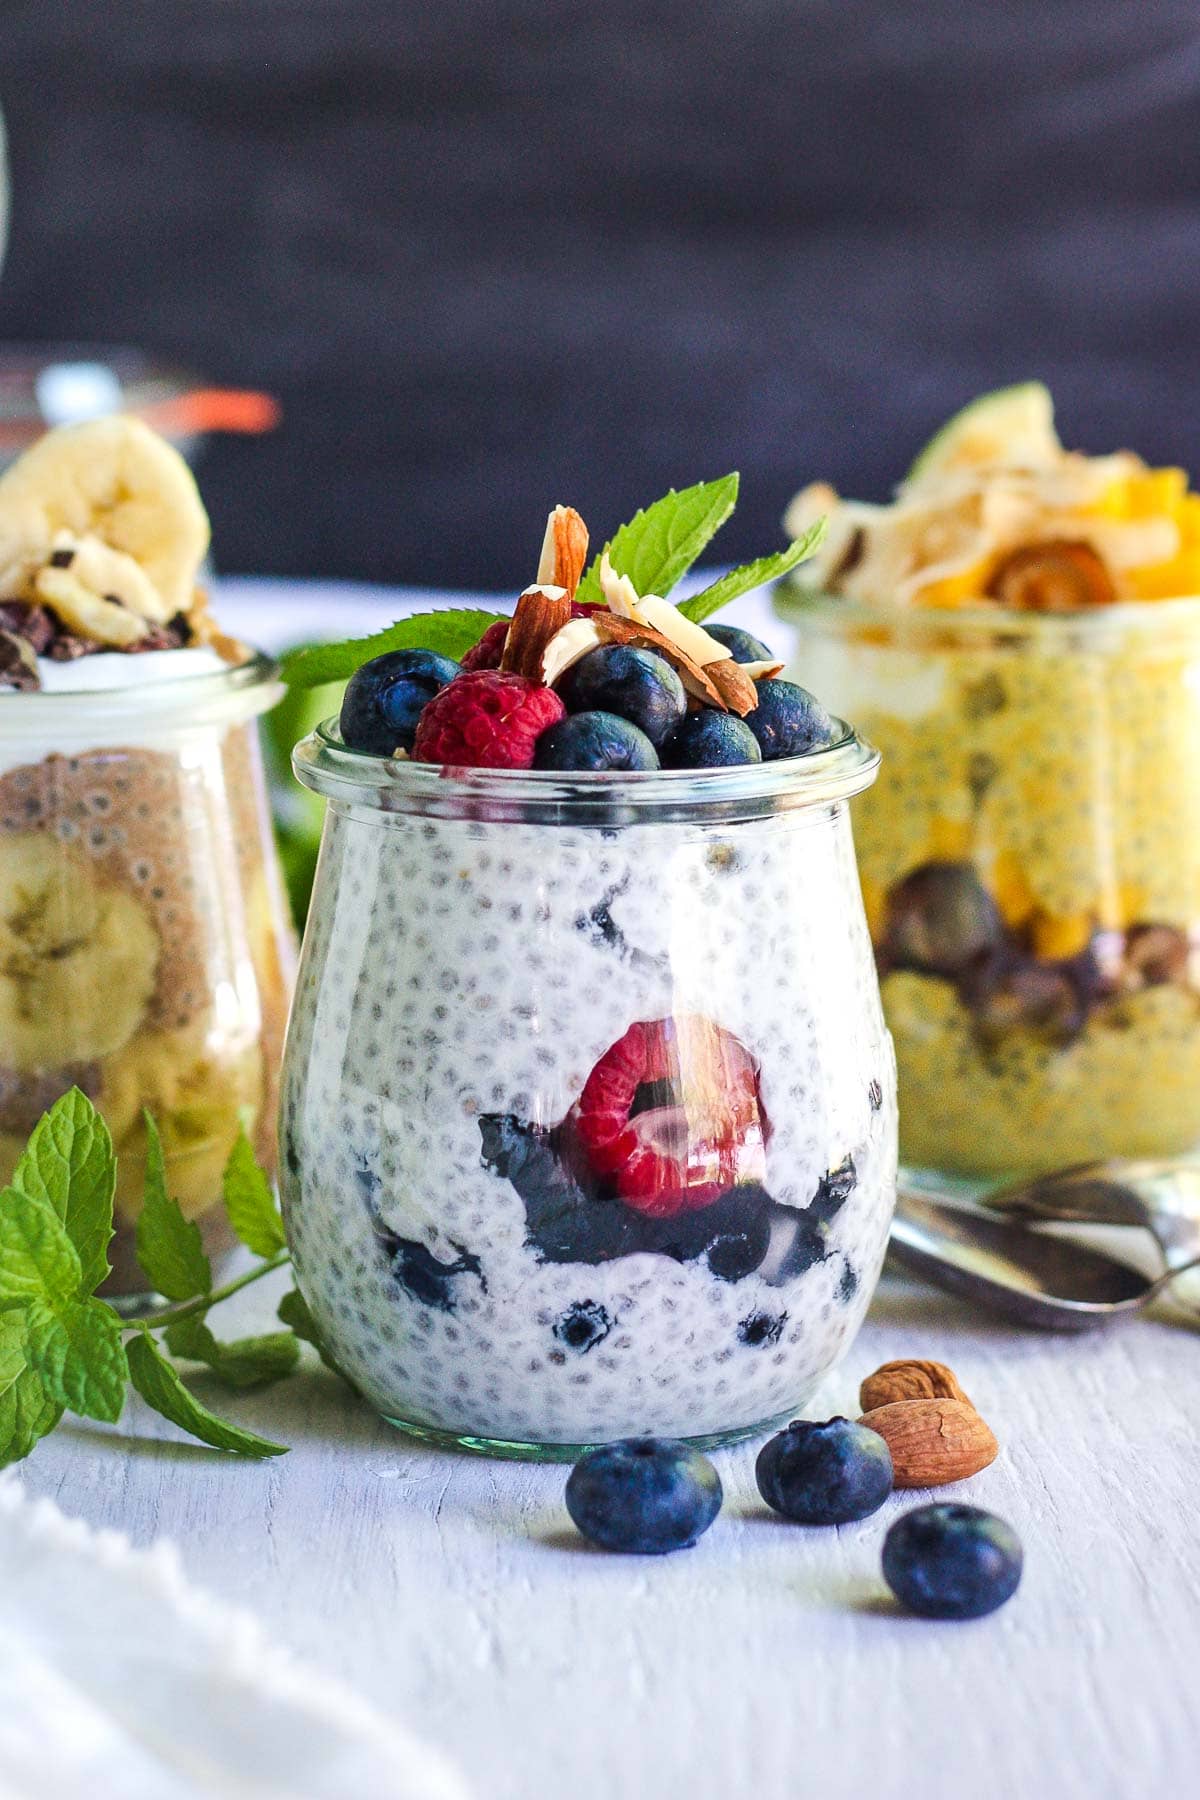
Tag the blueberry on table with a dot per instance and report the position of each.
(635, 684)
(644, 1495)
(708, 740)
(949, 1561)
(789, 721)
(385, 699)
(594, 740)
(743, 646)
(824, 1474)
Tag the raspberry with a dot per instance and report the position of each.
(487, 652)
(671, 1114)
(486, 720)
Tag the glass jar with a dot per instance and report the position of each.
(1030, 861)
(145, 951)
(588, 1120)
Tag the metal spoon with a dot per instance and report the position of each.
(1163, 1197)
(1026, 1274)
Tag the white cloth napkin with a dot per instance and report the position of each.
(120, 1677)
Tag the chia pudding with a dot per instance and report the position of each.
(484, 969)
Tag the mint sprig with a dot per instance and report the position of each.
(751, 575)
(63, 1348)
(655, 549)
(450, 632)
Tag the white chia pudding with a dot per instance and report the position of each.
(490, 1013)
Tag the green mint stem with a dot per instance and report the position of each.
(186, 1309)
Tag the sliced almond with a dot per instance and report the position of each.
(734, 686)
(89, 615)
(564, 550)
(763, 671)
(619, 593)
(565, 648)
(691, 638)
(695, 679)
(541, 612)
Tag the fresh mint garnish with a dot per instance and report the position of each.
(250, 1202)
(160, 1387)
(660, 543)
(246, 1363)
(69, 1163)
(63, 1348)
(169, 1246)
(450, 633)
(751, 575)
(76, 1351)
(293, 1311)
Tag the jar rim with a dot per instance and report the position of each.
(196, 697)
(602, 797)
(1098, 628)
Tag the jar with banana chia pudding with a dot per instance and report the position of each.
(1014, 632)
(588, 1124)
(145, 950)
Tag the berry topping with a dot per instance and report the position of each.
(486, 720)
(743, 646)
(385, 699)
(594, 740)
(949, 1561)
(644, 1495)
(824, 1474)
(788, 721)
(671, 1115)
(709, 740)
(487, 652)
(635, 684)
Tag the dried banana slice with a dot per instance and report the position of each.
(78, 958)
(111, 504)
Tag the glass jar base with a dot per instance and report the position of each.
(517, 1451)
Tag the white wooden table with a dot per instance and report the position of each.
(767, 1662)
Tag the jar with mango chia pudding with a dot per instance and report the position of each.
(145, 951)
(1030, 856)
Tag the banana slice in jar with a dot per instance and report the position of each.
(103, 523)
(78, 958)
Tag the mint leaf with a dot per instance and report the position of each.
(38, 1261)
(76, 1351)
(69, 1163)
(246, 1363)
(293, 1310)
(168, 1245)
(662, 542)
(250, 1202)
(451, 632)
(27, 1412)
(750, 575)
(161, 1388)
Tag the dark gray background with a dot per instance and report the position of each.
(495, 255)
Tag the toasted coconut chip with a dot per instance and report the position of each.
(763, 671)
(619, 592)
(565, 648)
(205, 630)
(564, 550)
(696, 680)
(733, 684)
(541, 612)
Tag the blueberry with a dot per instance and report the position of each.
(826, 1474)
(709, 739)
(385, 698)
(788, 721)
(584, 1325)
(594, 740)
(952, 1561)
(941, 920)
(635, 684)
(742, 645)
(645, 1495)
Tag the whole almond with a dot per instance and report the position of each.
(909, 1379)
(933, 1442)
